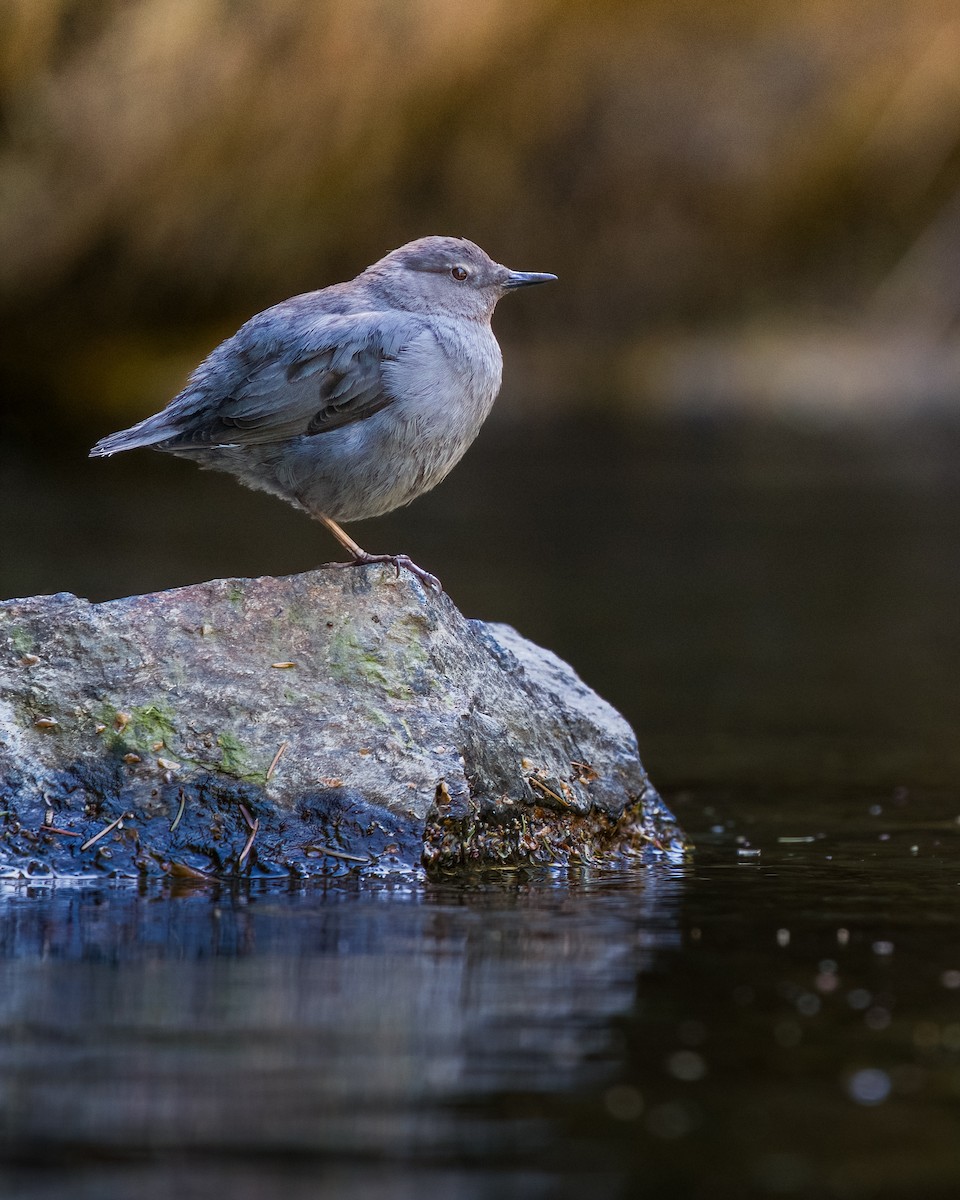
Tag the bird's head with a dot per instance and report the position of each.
(448, 276)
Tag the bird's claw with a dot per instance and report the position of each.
(397, 561)
(403, 560)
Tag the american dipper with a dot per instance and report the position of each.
(353, 400)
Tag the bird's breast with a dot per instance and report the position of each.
(443, 389)
(447, 377)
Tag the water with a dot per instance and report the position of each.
(776, 611)
(786, 1023)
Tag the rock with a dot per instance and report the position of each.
(336, 721)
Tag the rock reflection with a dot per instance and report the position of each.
(394, 1023)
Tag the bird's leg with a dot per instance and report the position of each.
(360, 555)
(344, 538)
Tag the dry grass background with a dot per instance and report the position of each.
(708, 180)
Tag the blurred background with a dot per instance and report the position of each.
(722, 475)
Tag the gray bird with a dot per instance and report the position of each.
(353, 400)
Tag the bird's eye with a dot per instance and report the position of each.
(460, 273)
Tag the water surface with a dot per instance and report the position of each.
(780, 1017)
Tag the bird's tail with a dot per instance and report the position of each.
(150, 432)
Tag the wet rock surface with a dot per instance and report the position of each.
(337, 721)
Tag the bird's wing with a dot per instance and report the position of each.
(256, 389)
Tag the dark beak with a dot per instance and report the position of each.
(518, 279)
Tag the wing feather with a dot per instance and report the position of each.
(253, 389)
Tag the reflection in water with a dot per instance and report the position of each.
(403, 1025)
(779, 1017)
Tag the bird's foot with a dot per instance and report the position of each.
(397, 561)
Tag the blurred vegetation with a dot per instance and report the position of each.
(713, 183)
